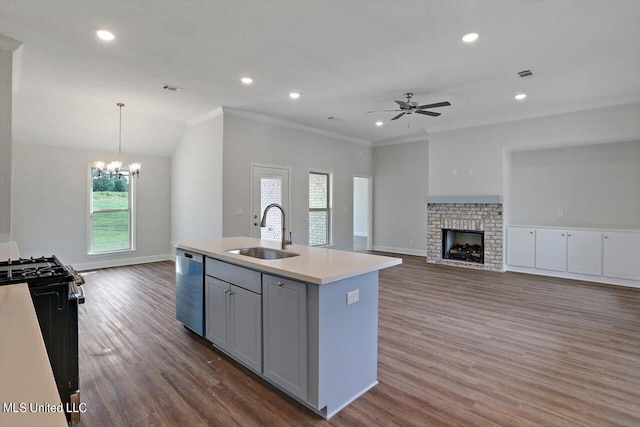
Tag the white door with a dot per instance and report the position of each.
(270, 185)
(584, 252)
(551, 249)
(521, 247)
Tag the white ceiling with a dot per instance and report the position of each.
(345, 57)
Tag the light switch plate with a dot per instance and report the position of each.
(353, 296)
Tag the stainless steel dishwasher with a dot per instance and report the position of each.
(190, 290)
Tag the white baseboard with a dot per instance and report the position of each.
(360, 234)
(575, 276)
(404, 251)
(122, 261)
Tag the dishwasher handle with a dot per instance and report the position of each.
(191, 256)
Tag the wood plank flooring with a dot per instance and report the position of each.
(457, 347)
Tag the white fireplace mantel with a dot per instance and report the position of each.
(463, 199)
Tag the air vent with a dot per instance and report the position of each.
(526, 73)
(172, 88)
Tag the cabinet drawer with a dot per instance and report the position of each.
(239, 276)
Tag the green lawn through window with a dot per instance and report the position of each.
(110, 229)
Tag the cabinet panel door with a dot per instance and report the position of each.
(622, 255)
(551, 249)
(584, 252)
(217, 310)
(246, 327)
(285, 334)
(521, 247)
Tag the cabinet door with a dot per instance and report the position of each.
(217, 311)
(285, 334)
(584, 252)
(551, 249)
(622, 255)
(246, 327)
(521, 247)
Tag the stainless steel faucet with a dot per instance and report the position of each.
(263, 223)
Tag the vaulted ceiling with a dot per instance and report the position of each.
(344, 57)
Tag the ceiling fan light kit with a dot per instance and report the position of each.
(410, 107)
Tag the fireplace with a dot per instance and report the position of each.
(463, 245)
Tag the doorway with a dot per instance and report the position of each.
(361, 214)
(270, 185)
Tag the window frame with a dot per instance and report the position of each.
(91, 211)
(328, 209)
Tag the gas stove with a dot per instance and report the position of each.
(35, 271)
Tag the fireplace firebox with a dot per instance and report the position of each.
(463, 245)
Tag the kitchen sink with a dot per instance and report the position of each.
(263, 253)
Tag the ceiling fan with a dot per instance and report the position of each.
(410, 107)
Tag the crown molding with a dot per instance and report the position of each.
(422, 136)
(210, 115)
(292, 125)
(9, 44)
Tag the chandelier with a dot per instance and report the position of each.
(115, 168)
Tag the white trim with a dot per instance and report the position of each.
(121, 262)
(9, 44)
(575, 276)
(404, 251)
(210, 115)
(292, 125)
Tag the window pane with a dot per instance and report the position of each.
(271, 192)
(318, 186)
(110, 231)
(110, 193)
(318, 228)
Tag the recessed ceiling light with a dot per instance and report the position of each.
(105, 35)
(379, 123)
(470, 38)
(294, 95)
(520, 96)
(246, 80)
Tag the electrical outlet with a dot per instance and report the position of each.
(455, 172)
(560, 212)
(470, 171)
(410, 242)
(353, 296)
(238, 211)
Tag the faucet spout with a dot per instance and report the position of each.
(263, 223)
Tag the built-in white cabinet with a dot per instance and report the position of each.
(584, 252)
(234, 312)
(521, 247)
(622, 255)
(285, 334)
(551, 249)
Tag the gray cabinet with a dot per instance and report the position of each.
(234, 312)
(285, 334)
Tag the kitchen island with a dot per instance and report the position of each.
(307, 323)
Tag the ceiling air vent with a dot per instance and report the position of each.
(526, 73)
(171, 88)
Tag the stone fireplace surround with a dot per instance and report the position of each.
(477, 213)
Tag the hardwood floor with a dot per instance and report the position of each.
(457, 347)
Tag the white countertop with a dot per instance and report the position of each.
(25, 373)
(9, 250)
(314, 265)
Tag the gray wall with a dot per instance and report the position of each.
(6, 60)
(50, 204)
(196, 184)
(399, 187)
(482, 148)
(249, 141)
(595, 186)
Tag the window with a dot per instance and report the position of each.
(111, 219)
(319, 209)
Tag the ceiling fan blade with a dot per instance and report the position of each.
(439, 104)
(398, 116)
(402, 104)
(427, 113)
(382, 111)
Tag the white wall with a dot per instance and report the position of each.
(249, 141)
(481, 148)
(196, 185)
(595, 186)
(400, 185)
(6, 61)
(360, 207)
(50, 205)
